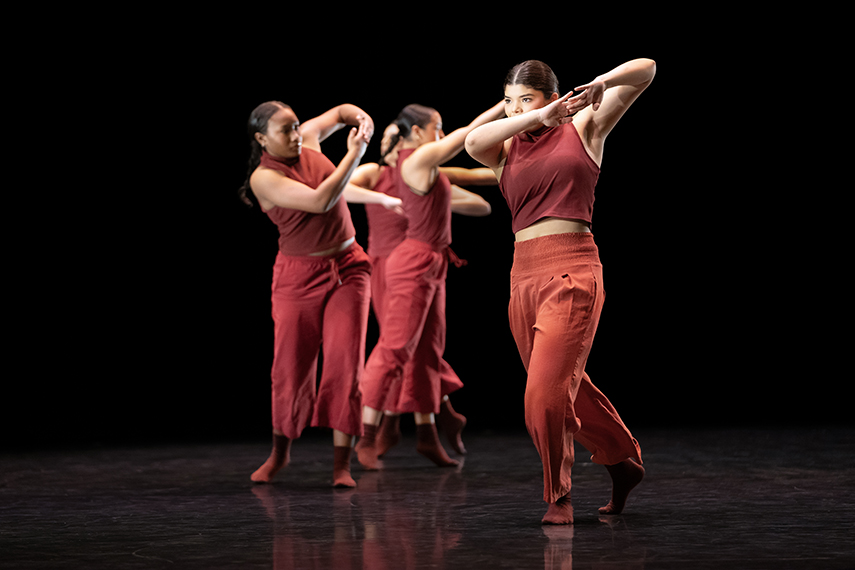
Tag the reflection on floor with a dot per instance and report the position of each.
(739, 498)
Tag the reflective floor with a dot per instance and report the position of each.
(741, 498)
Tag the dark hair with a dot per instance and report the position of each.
(534, 74)
(257, 123)
(413, 114)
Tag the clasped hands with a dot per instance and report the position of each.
(561, 110)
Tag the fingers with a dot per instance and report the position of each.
(368, 123)
(363, 131)
(589, 94)
(580, 101)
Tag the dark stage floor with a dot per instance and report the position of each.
(733, 499)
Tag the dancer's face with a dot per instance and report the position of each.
(522, 98)
(432, 131)
(283, 138)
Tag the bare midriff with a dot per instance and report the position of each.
(551, 226)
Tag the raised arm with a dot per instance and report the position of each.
(272, 188)
(602, 102)
(422, 167)
(488, 143)
(316, 130)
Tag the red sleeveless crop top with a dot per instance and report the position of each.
(548, 173)
(304, 233)
(428, 216)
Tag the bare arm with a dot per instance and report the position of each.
(357, 195)
(469, 176)
(489, 142)
(602, 103)
(468, 203)
(272, 188)
(360, 190)
(597, 109)
(366, 175)
(316, 130)
(422, 167)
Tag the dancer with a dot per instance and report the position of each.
(414, 308)
(386, 230)
(320, 290)
(556, 279)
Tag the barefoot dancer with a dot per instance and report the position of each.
(414, 308)
(386, 229)
(320, 277)
(546, 155)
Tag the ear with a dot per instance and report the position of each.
(553, 97)
(415, 133)
(261, 139)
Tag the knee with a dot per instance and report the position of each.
(548, 400)
(539, 400)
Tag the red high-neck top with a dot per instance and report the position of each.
(548, 173)
(300, 232)
(428, 216)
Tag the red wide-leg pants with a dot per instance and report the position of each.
(413, 322)
(556, 299)
(402, 395)
(319, 301)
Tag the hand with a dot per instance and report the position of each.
(368, 123)
(591, 94)
(394, 204)
(556, 113)
(357, 139)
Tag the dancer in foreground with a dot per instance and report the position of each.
(546, 155)
(414, 309)
(320, 290)
(387, 229)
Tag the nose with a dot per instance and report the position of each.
(513, 108)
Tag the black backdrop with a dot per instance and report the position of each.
(143, 312)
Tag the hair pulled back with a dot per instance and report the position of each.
(257, 123)
(534, 74)
(410, 116)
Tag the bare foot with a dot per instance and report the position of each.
(341, 467)
(427, 443)
(388, 435)
(559, 512)
(625, 476)
(279, 458)
(366, 449)
(452, 423)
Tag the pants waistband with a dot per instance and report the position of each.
(537, 253)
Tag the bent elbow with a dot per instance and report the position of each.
(650, 67)
(473, 147)
(325, 207)
(470, 143)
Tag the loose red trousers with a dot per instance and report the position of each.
(413, 322)
(401, 397)
(319, 301)
(556, 298)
